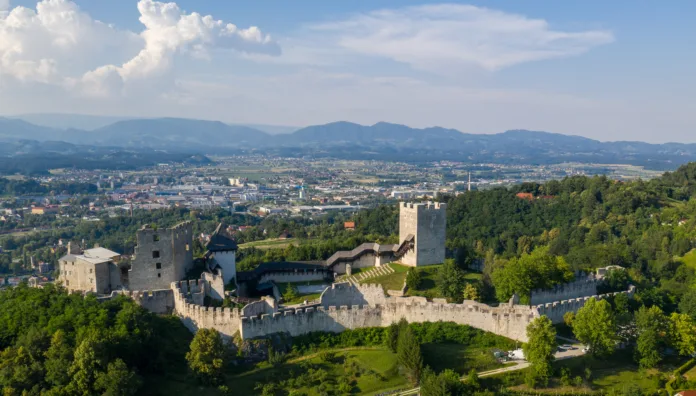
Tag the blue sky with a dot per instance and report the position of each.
(609, 70)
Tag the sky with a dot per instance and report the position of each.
(607, 70)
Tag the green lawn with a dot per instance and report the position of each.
(393, 281)
(270, 243)
(460, 358)
(428, 286)
(378, 371)
(617, 374)
(301, 297)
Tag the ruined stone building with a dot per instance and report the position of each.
(161, 257)
(94, 270)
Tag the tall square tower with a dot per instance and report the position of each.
(425, 223)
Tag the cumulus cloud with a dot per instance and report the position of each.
(432, 36)
(59, 44)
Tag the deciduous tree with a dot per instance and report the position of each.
(540, 348)
(206, 356)
(595, 326)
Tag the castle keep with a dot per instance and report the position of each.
(427, 223)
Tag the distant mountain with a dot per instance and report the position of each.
(91, 122)
(177, 133)
(69, 121)
(354, 141)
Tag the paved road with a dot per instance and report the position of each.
(520, 364)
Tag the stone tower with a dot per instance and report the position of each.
(161, 257)
(426, 223)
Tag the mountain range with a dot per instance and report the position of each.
(343, 140)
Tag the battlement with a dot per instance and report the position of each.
(555, 310)
(423, 205)
(584, 285)
(183, 226)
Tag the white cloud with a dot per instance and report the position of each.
(59, 44)
(4, 5)
(448, 36)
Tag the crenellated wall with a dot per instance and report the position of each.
(583, 286)
(346, 306)
(311, 319)
(156, 301)
(195, 316)
(556, 310)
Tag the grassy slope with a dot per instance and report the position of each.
(611, 375)
(460, 358)
(393, 281)
(379, 360)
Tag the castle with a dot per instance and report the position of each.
(153, 278)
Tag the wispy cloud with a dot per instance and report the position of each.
(433, 37)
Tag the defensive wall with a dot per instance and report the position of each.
(584, 285)
(555, 310)
(195, 316)
(157, 301)
(366, 255)
(346, 306)
(292, 276)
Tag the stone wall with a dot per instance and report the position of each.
(293, 277)
(161, 257)
(346, 306)
(583, 286)
(556, 310)
(156, 301)
(427, 222)
(348, 294)
(216, 285)
(195, 316)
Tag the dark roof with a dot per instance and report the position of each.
(220, 242)
(264, 268)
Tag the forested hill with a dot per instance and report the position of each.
(646, 227)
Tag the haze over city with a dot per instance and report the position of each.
(615, 70)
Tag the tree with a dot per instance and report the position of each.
(409, 354)
(206, 356)
(413, 279)
(687, 304)
(87, 362)
(447, 383)
(471, 292)
(18, 370)
(595, 326)
(58, 360)
(391, 338)
(451, 281)
(682, 333)
(118, 380)
(569, 318)
(536, 270)
(540, 348)
(650, 323)
(290, 293)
